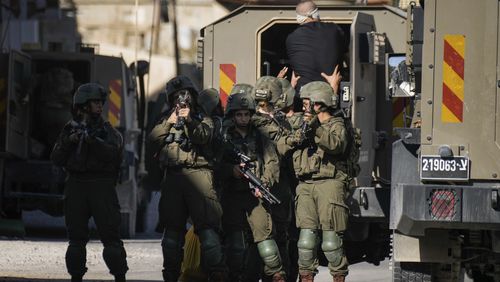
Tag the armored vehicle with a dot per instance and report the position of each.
(422, 86)
(42, 63)
(36, 90)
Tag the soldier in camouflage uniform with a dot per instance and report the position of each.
(270, 120)
(320, 203)
(295, 120)
(90, 149)
(182, 141)
(240, 206)
(210, 103)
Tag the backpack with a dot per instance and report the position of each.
(351, 154)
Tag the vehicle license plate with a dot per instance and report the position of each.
(438, 168)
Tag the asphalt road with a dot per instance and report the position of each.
(43, 260)
(40, 255)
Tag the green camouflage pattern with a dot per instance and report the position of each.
(320, 92)
(268, 88)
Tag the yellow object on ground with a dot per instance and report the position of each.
(191, 269)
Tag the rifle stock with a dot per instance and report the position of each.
(255, 183)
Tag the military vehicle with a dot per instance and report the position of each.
(37, 83)
(30, 123)
(422, 86)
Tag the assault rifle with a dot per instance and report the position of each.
(255, 184)
(304, 132)
(183, 101)
(81, 129)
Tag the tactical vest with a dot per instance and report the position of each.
(180, 152)
(312, 162)
(88, 158)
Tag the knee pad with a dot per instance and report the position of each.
(332, 246)
(269, 252)
(211, 250)
(307, 246)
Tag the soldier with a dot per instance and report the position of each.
(295, 120)
(238, 202)
(90, 149)
(182, 141)
(323, 185)
(210, 103)
(271, 121)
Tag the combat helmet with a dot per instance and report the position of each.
(288, 93)
(87, 92)
(320, 92)
(268, 88)
(240, 99)
(178, 83)
(208, 100)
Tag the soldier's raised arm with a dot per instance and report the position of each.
(271, 171)
(63, 147)
(333, 140)
(200, 131)
(159, 133)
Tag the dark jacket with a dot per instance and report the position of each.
(101, 153)
(314, 48)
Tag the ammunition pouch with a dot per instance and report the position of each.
(180, 152)
(312, 163)
(306, 162)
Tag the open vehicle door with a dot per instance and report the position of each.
(17, 137)
(363, 81)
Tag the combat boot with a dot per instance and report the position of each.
(120, 278)
(306, 277)
(338, 278)
(278, 277)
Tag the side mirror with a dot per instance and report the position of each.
(399, 83)
(142, 68)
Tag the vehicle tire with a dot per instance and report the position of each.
(412, 272)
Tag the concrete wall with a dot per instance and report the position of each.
(111, 24)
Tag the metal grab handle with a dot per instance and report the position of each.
(494, 199)
(363, 200)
